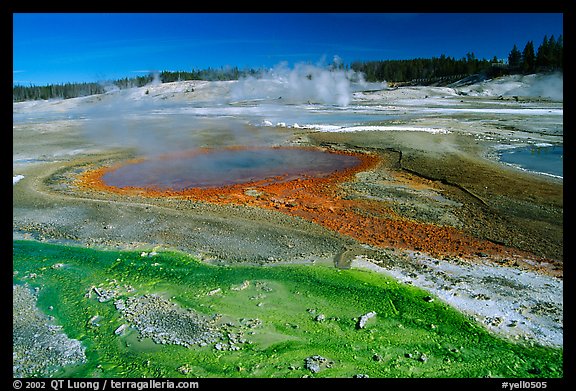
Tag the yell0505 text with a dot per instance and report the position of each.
(524, 384)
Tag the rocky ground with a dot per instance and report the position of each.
(438, 193)
(40, 347)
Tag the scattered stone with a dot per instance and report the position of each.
(314, 367)
(481, 296)
(494, 321)
(94, 321)
(250, 323)
(166, 323)
(104, 295)
(360, 376)
(428, 299)
(377, 357)
(364, 318)
(423, 358)
(263, 286)
(57, 266)
(120, 330)
(39, 347)
(214, 291)
(185, 369)
(408, 355)
(253, 193)
(313, 363)
(244, 285)
(320, 318)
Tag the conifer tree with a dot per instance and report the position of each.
(528, 58)
(514, 58)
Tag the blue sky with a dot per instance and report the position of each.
(86, 47)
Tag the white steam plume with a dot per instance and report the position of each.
(548, 86)
(304, 83)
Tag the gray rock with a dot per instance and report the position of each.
(313, 366)
(313, 363)
(120, 329)
(364, 318)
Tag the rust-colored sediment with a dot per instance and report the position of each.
(320, 200)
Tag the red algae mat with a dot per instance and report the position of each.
(317, 196)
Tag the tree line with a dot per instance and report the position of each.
(63, 91)
(422, 69)
(547, 57)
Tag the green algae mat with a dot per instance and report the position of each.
(164, 314)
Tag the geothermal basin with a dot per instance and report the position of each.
(209, 168)
(415, 180)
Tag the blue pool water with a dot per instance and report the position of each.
(546, 159)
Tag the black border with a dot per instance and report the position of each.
(487, 6)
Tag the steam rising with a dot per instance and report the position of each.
(153, 126)
(153, 121)
(305, 83)
(549, 86)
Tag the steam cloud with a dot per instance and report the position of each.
(305, 83)
(547, 86)
(537, 85)
(153, 127)
(152, 124)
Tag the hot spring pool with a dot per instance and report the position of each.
(225, 167)
(546, 159)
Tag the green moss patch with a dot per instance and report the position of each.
(264, 321)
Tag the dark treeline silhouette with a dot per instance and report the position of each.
(227, 73)
(63, 91)
(421, 70)
(547, 57)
